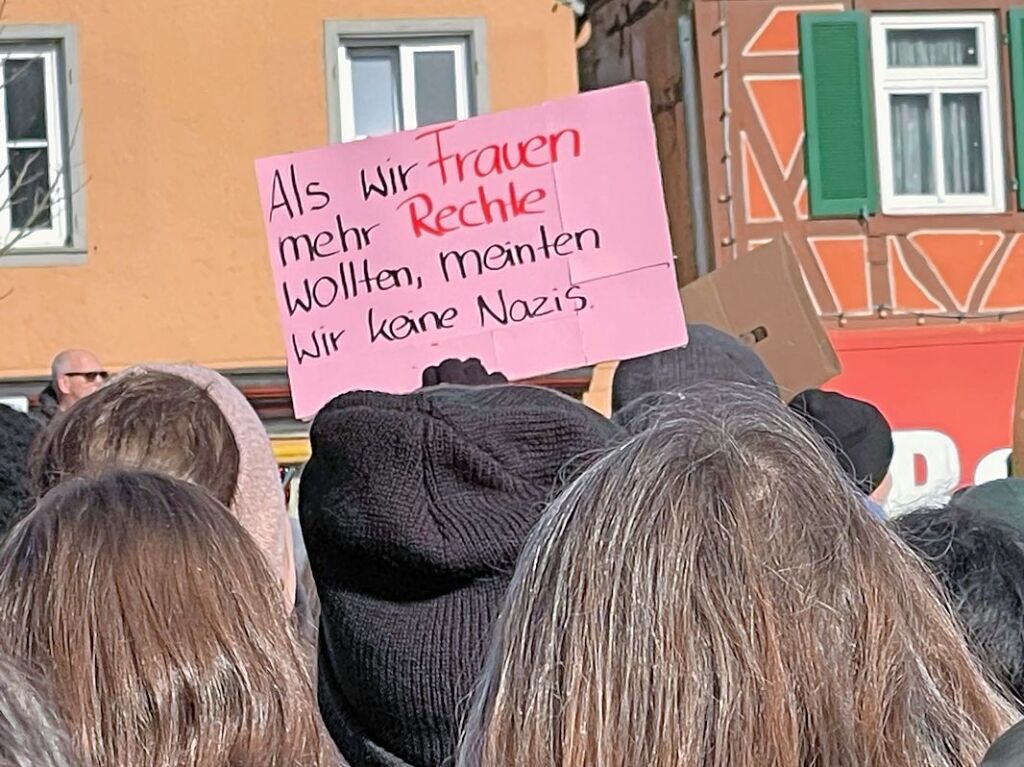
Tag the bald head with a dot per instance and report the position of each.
(77, 373)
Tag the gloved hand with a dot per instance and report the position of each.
(469, 372)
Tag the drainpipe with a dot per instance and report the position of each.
(694, 151)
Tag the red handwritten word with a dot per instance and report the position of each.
(535, 152)
(484, 207)
(479, 211)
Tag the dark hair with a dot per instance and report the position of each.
(141, 420)
(17, 431)
(155, 618)
(979, 562)
(30, 733)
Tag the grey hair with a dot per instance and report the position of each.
(649, 410)
(713, 592)
(31, 735)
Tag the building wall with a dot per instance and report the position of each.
(639, 40)
(178, 100)
(754, 130)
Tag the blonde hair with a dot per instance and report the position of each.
(159, 627)
(715, 593)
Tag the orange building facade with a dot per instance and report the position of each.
(143, 123)
(882, 141)
(901, 264)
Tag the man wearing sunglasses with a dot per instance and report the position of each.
(76, 374)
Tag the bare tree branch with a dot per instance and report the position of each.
(25, 182)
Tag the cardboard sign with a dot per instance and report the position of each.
(761, 297)
(535, 240)
(1017, 456)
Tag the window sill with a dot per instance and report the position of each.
(880, 225)
(983, 209)
(42, 257)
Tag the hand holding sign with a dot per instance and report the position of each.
(470, 372)
(534, 240)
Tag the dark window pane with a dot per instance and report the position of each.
(436, 100)
(25, 90)
(28, 179)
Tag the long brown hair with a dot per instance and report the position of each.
(160, 627)
(144, 420)
(715, 593)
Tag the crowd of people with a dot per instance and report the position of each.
(486, 574)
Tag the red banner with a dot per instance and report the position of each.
(948, 393)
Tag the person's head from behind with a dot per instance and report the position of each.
(159, 626)
(854, 430)
(710, 355)
(17, 431)
(31, 735)
(76, 373)
(712, 592)
(414, 508)
(186, 421)
(151, 420)
(979, 561)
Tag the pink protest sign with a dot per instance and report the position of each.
(535, 240)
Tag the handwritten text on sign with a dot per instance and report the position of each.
(535, 240)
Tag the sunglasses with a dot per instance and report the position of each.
(92, 376)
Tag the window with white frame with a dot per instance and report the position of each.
(42, 173)
(31, 133)
(392, 75)
(937, 102)
(387, 86)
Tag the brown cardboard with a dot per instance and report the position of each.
(761, 298)
(1017, 457)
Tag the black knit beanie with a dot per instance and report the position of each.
(414, 509)
(856, 431)
(709, 355)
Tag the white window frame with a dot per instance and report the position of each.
(468, 35)
(56, 234)
(406, 59)
(46, 248)
(982, 79)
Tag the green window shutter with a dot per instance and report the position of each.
(1016, 24)
(840, 144)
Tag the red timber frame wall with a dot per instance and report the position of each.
(877, 271)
